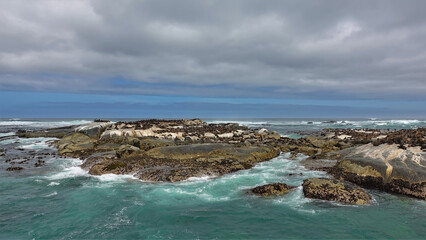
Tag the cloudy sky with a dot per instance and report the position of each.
(212, 58)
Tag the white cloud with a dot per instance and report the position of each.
(242, 46)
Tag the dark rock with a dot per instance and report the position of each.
(177, 163)
(335, 190)
(273, 189)
(14, 168)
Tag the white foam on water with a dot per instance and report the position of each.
(242, 123)
(70, 168)
(297, 201)
(70, 172)
(15, 122)
(199, 179)
(53, 184)
(199, 193)
(406, 122)
(52, 194)
(110, 177)
(8, 141)
(39, 145)
(50, 124)
(7, 134)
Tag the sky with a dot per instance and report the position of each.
(235, 59)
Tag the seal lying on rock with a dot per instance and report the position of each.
(335, 190)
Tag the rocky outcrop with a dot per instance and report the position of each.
(76, 145)
(190, 131)
(385, 167)
(177, 163)
(335, 190)
(404, 137)
(273, 189)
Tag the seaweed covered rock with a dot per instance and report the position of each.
(273, 189)
(384, 167)
(335, 190)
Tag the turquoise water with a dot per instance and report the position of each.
(61, 201)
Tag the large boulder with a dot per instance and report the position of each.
(76, 145)
(386, 167)
(335, 190)
(273, 189)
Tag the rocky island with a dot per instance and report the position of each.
(175, 150)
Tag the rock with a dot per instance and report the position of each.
(75, 145)
(335, 190)
(385, 167)
(273, 189)
(53, 132)
(14, 168)
(93, 129)
(125, 150)
(209, 135)
(150, 143)
(318, 164)
(177, 163)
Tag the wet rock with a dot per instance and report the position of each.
(335, 190)
(273, 189)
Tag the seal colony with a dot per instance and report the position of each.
(175, 150)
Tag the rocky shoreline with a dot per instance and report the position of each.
(175, 150)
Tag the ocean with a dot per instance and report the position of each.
(62, 201)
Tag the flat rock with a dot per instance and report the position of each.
(335, 190)
(177, 163)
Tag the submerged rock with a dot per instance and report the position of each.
(335, 190)
(384, 167)
(273, 189)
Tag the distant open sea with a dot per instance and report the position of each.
(62, 201)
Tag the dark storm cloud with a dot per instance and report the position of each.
(342, 49)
